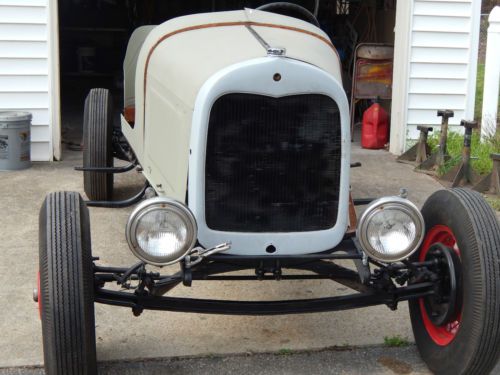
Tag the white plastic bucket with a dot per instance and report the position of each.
(15, 140)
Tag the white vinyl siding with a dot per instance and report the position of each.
(441, 51)
(24, 68)
(23, 49)
(24, 3)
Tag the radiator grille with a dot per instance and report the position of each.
(272, 164)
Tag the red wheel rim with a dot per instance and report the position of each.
(441, 335)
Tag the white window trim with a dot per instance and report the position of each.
(54, 84)
(473, 57)
(402, 49)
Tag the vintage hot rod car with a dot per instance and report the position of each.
(240, 125)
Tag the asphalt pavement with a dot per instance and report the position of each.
(342, 360)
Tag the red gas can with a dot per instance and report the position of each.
(375, 129)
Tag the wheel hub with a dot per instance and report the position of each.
(445, 304)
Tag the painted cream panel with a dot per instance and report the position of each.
(130, 64)
(169, 134)
(212, 49)
(161, 31)
(23, 49)
(29, 14)
(178, 85)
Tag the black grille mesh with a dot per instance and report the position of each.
(272, 164)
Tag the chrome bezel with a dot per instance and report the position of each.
(390, 203)
(160, 203)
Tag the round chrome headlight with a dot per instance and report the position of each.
(161, 231)
(390, 229)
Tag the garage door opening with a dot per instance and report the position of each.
(93, 36)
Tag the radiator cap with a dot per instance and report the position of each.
(276, 51)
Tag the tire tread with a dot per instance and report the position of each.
(67, 298)
(476, 347)
(97, 134)
(483, 225)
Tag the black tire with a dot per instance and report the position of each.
(474, 346)
(97, 146)
(66, 290)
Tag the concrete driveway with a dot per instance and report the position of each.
(120, 335)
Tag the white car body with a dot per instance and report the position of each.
(175, 71)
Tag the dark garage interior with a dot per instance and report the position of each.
(94, 33)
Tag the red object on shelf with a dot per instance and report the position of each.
(375, 128)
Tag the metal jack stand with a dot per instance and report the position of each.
(491, 183)
(438, 158)
(420, 151)
(463, 171)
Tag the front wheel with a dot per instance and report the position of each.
(457, 331)
(66, 290)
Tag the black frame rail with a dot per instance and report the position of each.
(121, 203)
(229, 307)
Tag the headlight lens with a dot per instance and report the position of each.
(391, 229)
(161, 231)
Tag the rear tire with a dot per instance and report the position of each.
(470, 344)
(66, 290)
(97, 146)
